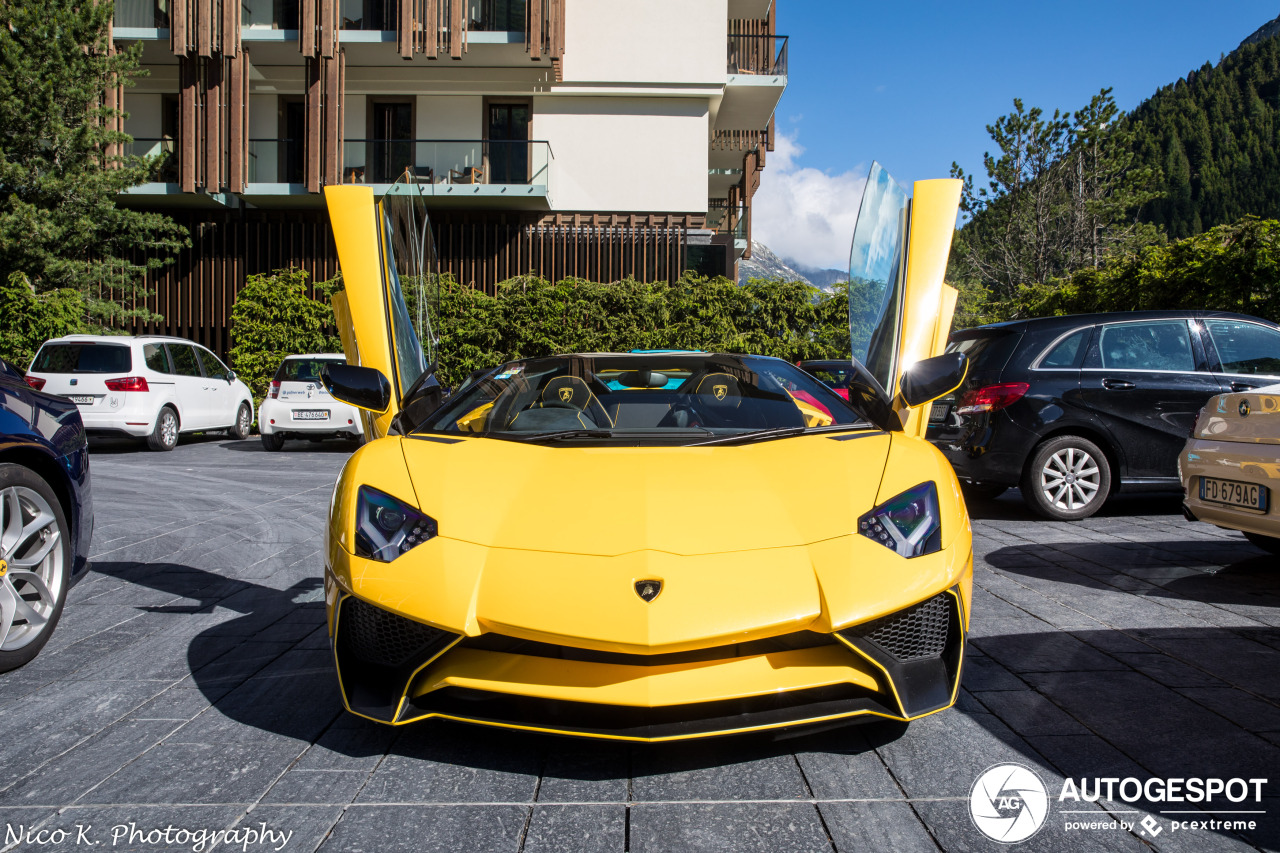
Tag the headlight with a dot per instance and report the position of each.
(907, 524)
(387, 527)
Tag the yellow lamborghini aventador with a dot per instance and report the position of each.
(648, 545)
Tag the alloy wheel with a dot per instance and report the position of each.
(242, 422)
(31, 566)
(1070, 479)
(169, 429)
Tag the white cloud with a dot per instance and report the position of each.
(804, 213)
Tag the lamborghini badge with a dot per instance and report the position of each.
(648, 590)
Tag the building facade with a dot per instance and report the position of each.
(590, 138)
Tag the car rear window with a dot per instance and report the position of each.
(302, 369)
(987, 352)
(1066, 352)
(83, 358)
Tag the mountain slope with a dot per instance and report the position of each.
(765, 264)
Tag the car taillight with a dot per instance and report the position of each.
(35, 382)
(990, 398)
(274, 393)
(1196, 422)
(128, 383)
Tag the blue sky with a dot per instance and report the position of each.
(914, 83)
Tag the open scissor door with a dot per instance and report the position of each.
(899, 308)
(385, 311)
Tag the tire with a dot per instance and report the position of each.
(34, 581)
(1267, 543)
(165, 435)
(1067, 479)
(272, 442)
(982, 491)
(244, 420)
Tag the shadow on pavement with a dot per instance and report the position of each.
(334, 445)
(1009, 507)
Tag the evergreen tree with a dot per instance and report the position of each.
(60, 225)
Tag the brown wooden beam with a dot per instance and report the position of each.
(457, 28)
(328, 28)
(405, 26)
(534, 37)
(213, 146)
(204, 27)
(307, 27)
(178, 28)
(332, 145)
(314, 120)
(238, 123)
(187, 123)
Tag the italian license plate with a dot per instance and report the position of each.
(311, 414)
(1232, 493)
(939, 412)
(81, 399)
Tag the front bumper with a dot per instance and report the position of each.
(900, 666)
(1239, 461)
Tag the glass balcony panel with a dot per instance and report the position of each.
(497, 15)
(275, 161)
(142, 14)
(369, 14)
(475, 161)
(269, 14)
(162, 151)
(755, 54)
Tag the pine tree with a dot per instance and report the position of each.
(60, 225)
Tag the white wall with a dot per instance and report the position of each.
(450, 117)
(144, 115)
(626, 154)
(655, 41)
(355, 126)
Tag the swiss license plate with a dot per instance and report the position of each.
(311, 414)
(1248, 495)
(81, 399)
(939, 412)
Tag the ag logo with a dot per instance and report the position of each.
(1008, 803)
(648, 589)
(566, 394)
(1244, 408)
(720, 391)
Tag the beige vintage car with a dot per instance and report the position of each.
(1230, 468)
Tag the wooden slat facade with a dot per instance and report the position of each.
(194, 295)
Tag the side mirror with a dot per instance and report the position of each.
(362, 387)
(231, 376)
(933, 378)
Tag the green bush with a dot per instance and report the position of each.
(273, 317)
(27, 320)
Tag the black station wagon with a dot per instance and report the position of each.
(1072, 409)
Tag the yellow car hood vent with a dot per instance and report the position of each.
(607, 501)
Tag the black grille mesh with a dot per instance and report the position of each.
(916, 633)
(379, 637)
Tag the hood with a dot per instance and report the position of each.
(1248, 416)
(607, 501)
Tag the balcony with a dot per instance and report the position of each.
(369, 15)
(162, 151)
(730, 219)
(133, 16)
(756, 79)
(516, 172)
(497, 15)
(275, 161)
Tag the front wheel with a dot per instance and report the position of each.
(1266, 543)
(244, 418)
(1067, 479)
(35, 564)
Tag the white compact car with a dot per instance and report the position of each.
(146, 386)
(298, 406)
(1230, 468)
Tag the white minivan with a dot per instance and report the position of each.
(146, 386)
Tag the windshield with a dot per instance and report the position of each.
(303, 369)
(665, 397)
(876, 271)
(83, 358)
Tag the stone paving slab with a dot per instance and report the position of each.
(190, 687)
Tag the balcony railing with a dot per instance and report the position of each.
(726, 218)
(754, 54)
(275, 161)
(369, 14)
(447, 161)
(141, 14)
(269, 14)
(497, 15)
(164, 150)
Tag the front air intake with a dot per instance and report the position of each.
(917, 633)
(384, 638)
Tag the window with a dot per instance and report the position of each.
(1245, 347)
(184, 360)
(154, 356)
(303, 369)
(83, 358)
(1064, 354)
(1162, 345)
(213, 368)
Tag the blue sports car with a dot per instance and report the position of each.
(46, 513)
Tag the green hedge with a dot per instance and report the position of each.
(28, 320)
